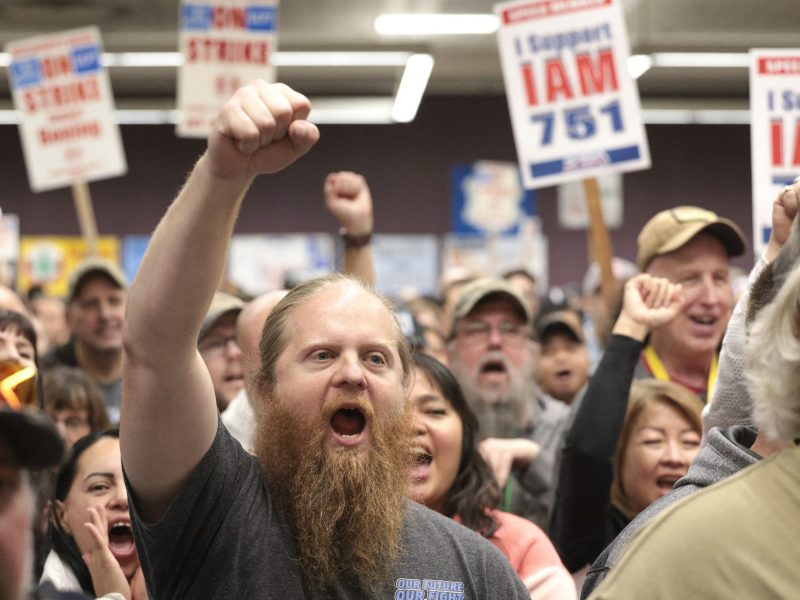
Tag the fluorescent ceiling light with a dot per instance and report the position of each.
(639, 64)
(701, 59)
(412, 87)
(436, 24)
(279, 59)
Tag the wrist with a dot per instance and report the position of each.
(355, 240)
(630, 328)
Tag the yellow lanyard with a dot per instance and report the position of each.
(656, 367)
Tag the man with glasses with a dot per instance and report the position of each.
(491, 355)
(220, 350)
(690, 246)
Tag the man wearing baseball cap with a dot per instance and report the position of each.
(690, 246)
(491, 354)
(220, 349)
(95, 312)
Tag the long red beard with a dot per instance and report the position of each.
(346, 505)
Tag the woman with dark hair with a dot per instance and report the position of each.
(451, 477)
(74, 402)
(90, 527)
(19, 361)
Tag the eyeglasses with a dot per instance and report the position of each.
(476, 332)
(216, 345)
(17, 385)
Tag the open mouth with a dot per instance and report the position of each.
(666, 483)
(120, 539)
(422, 456)
(236, 378)
(563, 374)
(348, 422)
(704, 320)
(493, 367)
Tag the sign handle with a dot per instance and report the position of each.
(85, 211)
(600, 240)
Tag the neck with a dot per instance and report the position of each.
(689, 368)
(103, 366)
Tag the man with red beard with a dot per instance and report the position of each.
(320, 511)
(691, 246)
(491, 355)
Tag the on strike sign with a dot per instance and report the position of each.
(225, 45)
(68, 129)
(574, 108)
(774, 132)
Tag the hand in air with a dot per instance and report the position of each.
(348, 199)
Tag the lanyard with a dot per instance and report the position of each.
(659, 371)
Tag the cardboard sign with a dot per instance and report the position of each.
(64, 96)
(774, 132)
(574, 108)
(225, 45)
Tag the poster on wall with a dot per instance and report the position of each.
(225, 45)
(261, 263)
(9, 249)
(573, 212)
(575, 110)
(488, 197)
(47, 261)
(64, 96)
(774, 132)
(406, 265)
(498, 254)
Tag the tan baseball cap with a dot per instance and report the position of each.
(484, 289)
(94, 265)
(221, 304)
(564, 321)
(670, 229)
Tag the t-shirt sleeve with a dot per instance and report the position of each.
(186, 537)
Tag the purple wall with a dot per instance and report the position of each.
(408, 167)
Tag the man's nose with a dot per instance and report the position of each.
(349, 372)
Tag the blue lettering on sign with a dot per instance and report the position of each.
(85, 59)
(782, 179)
(25, 73)
(196, 17)
(260, 18)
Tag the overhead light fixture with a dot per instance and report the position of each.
(436, 24)
(701, 59)
(412, 87)
(398, 108)
(639, 64)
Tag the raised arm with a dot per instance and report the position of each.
(169, 415)
(348, 199)
(583, 497)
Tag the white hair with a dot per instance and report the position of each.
(773, 369)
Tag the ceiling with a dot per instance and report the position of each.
(464, 65)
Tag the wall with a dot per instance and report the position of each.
(408, 167)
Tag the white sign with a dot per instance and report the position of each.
(574, 109)
(68, 129)
(573, 212)
(259, 263)
(406, 265)
(225, 45)
(774, 132)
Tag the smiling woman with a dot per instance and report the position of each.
(89, 518)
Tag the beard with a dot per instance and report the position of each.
(501, 413)
(345, 504)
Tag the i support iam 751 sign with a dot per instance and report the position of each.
(574, 109)
(774, 131)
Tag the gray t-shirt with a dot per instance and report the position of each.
(223, 538)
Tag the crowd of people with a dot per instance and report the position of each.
(170, 439)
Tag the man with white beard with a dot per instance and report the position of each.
(320, 511)
(491, 355)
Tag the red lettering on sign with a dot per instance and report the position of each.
(557, 81)
(597, 78)
(776, 133)
(229, 18)
(779, 65)
(53, 66)
(225, 51)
